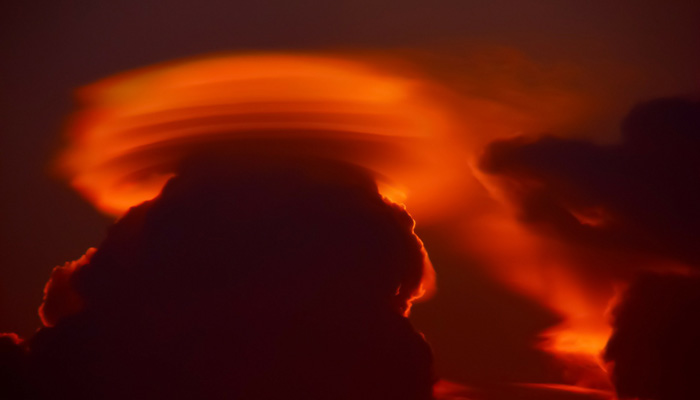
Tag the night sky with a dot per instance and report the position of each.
(604, 57)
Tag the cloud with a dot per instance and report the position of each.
(13, 368)
(136, 128)
(638, 196)
(246, 279)
(60, 298)
(610, 213)
(654, 348)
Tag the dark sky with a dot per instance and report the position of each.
(52, 49)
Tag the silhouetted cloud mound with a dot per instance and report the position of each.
(14, 382)
(655, 347)
(245, 280)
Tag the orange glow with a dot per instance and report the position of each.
(542, 268)
(135, 128)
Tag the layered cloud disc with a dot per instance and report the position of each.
(136, 128)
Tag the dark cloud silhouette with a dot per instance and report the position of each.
(13, 368)
(249, 280)
(654, 348)
(637, 196)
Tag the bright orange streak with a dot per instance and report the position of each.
(602, 394)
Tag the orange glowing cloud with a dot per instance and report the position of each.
(135, 128)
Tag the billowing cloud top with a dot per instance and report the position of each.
(245, 278)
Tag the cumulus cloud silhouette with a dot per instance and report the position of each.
(13, 368)
(243, 279)
(654, 348)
